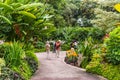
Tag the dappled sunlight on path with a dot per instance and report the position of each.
(56, 69)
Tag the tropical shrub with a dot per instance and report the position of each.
(8, 74)
(20, 60)
(96, 33)
(28, 47)
(1, 51)
(23, 69)
(13, 54)
(94, 66)
(66, 46)
(98, 66)
(39, 46)
(24, 20)
(86, 50)
(77, 33)
(2, 63)
(32, 60)
(113, 47)
(80, 34)
(105, 15)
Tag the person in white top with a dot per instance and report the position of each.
(48, 49)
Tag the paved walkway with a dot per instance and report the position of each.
(57, 69)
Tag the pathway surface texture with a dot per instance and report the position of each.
(56, 69)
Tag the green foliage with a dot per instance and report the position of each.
(1, 51)
(106, 17)
(80, 33)
(28, 6)
(98, 66)
(70, 33)
(32, 61)
(113, 47)
(19, 60)
(84, 62)
(66, 46)
(23, 22)
(96, 33)
(28, 47)
(8, 7)
(24, 70)
(13, 54)
(27, 14)
(39, 44)
(94, 66)
(86, 49)
(111, 72)
(8, 74)
(6, 19)
(86, 11)
(2, 62)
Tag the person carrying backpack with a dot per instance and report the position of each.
(58, 48)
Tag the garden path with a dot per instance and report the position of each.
(57, 69)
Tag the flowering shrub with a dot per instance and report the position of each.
(98, 66)
(71, 57)
(113, 47)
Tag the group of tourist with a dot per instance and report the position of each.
(56, 48)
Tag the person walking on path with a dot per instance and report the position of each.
(58, 48)
(47, 46)
(53, 44)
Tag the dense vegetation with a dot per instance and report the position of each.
(25, 25)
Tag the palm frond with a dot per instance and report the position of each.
(6, 6)
(7, 1)
(6, 19)
(48, 16)
(27, 14)
(27, 6)
(16, 5)
(39, 21)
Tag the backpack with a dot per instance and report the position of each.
(57, 45)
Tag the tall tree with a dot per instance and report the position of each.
(106, 16)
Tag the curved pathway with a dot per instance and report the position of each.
(57, 69)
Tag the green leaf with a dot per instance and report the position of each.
(28, 6)
(48, 24)
(7, 1)
(6, 6)
(24, 32)
(27, 14)
(39, 22)
(48, 16)
(6, 19)
(16, 5)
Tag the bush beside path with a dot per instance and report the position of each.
(57, 69)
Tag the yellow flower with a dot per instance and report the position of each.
(103, 50)
(70, 53)
(117, 7)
